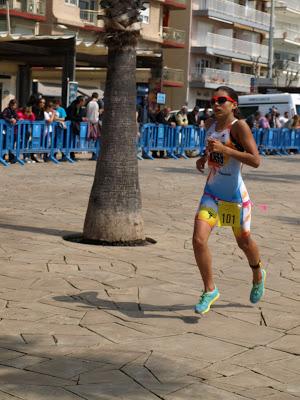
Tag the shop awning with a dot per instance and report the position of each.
(49, 89)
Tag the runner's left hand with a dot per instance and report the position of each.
(215, 146)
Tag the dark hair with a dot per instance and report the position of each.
(79, 99)
(95, 95)
(12, 102)
(233, 94)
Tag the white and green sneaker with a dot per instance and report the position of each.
(206, 300)
(258, 289)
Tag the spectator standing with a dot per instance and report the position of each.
(274, 120)
(295, 123)
(143, 111)
(260, 121)
(181, 117)
(164, 117)
(92, 115)
(26, 114)
(284, 118)
(204, 116)
(194, 116)
(76, 113)
(60, 112)
(49, 115)
(38, 109)
(9, 114)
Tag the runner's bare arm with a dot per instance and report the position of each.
(200, 163)
(242, 133)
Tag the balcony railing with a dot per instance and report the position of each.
(89, 16)
(234, 12)
(217, 77)
(173, 75)
(224, 45)
(287, 31)
(291, 4)
(173, 36)
(176, 2)
(287, 65)
(30, 6)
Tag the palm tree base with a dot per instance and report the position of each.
(78, 238)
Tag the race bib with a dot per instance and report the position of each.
(217, 158)
(229, 214)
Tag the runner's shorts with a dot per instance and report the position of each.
(208, 212)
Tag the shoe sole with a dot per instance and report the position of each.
(209, 305)
(264, 279)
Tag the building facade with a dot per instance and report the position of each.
(82, 19)
(225, 46)
(286, 71)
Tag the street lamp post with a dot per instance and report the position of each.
(271, 36)
(8, 17)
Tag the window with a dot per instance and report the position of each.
(202, 64)
(73, 2)
(87, 5)
(145, 14)
(246, 69)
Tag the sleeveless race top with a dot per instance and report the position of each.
(225, 181)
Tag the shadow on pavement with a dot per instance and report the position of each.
(36, 229)
(137, 310)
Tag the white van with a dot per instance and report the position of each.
(264, 102)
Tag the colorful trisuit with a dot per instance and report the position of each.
(225, 200)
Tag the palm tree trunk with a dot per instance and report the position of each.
(114, 210)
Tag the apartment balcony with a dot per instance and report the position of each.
(232, 12)
(226, 46)
(212, 78)
(173, 77)
(287, 65)
(287, 5)
(173, 37)
(287, 32)
(176, 4)
(24, 8)
(287, 80)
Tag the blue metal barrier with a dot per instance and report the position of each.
(4, 142)
(81, 143)
(190, 138)
(158, 137)
(27, 138)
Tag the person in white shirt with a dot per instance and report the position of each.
(92, 114)
(283, 119)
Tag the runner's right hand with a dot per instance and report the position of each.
(200, 164)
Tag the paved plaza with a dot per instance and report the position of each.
(88, 322)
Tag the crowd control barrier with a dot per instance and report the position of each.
(26, 138)
(4, 143)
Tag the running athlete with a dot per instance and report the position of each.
(225, 201)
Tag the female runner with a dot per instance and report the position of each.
(225, 200)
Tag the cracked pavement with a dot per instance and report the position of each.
(88, 322)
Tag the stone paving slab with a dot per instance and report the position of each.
(88, 322)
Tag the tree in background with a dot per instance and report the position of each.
(114, 209)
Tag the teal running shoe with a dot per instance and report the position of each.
(258, 289)
(206, 300)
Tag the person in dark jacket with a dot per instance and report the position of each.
(76, 113)
(9, 114)
(194, 116)
(38, 109)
